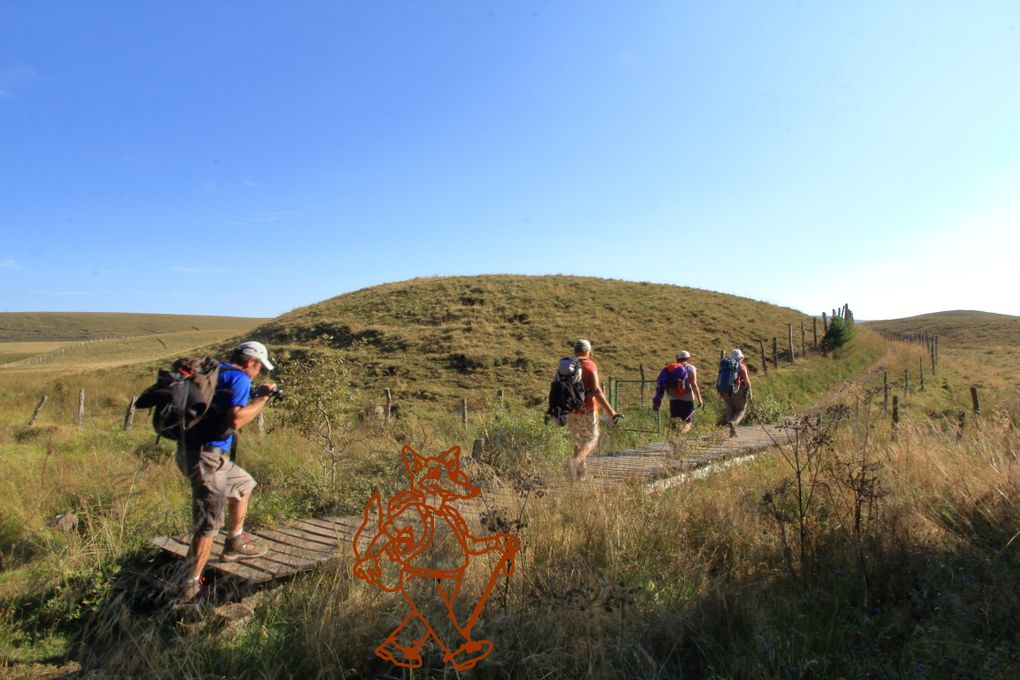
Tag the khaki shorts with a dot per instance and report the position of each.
(584, 429)
(214, 478)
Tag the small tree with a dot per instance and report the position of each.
(839, 334)
(319, 406)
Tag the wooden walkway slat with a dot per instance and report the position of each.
(307, 543)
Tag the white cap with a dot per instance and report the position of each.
(257, 350)
(683, 355)
(736, 354)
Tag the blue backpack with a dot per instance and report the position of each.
(729, 372)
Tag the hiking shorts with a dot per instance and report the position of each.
(682, 409)
(214, 478)
(584, 429)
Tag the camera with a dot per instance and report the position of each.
(274, 395)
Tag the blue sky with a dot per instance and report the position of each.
(247, 158)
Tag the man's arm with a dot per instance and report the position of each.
(600, 396)
(695, 390)
(242, 415)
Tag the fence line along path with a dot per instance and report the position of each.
(305, 544)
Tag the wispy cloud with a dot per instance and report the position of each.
(10, 264)
(208, 188)
(197, 270)
(252, 184)
(12, 77)
(259, 218)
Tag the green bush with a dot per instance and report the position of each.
(839, 334)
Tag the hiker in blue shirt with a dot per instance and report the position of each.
(216, 481)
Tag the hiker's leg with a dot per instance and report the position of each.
(239, 485)
(739, 406)
(201, 547)
(590, 434)
(730, 413)
(207, 500)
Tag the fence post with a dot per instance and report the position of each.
(814, 331)
(764, 361)
(775, 352)
(920, 372)
(81, 409)
(803, 341)
(895, 411)
(37, 411)
(641, 367)
(463, 412)
(476, 449)
(885, 391)
(825, 323)
(389, 404)
(906, 383)
(129, 417)
(974, 400)
(789, 340)
(261, 422)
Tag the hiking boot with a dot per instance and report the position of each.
(191, 589)
(240, 547)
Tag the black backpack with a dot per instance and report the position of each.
(182, 402)
(566, 393)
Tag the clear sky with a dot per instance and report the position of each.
(247, 158)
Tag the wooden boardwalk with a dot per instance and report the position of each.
(306, 544)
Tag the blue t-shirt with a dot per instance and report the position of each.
(233, 388)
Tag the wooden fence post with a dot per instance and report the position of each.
(463, 412)
(764, 361)
(476, 449)
(789, 340)
(895, 411)
(389, 404)
(814, 331)
(803, 341)
(81, 409)
(906, 383)
(37, 411)
(885, 391)
(129, 417)
(974, 400)
(775, 352)
(641, 367)
(825, 323)
(920, 372)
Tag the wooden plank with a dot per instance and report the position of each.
(270, 569)
(317, 530)
(327, 542)
(298, 546)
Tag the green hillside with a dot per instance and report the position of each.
(437, 339)
(57, 326)
(958, 327)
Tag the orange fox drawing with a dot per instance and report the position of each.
(421, 546)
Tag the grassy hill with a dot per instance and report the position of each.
(965, 328)
(63, 326)
(437, 339)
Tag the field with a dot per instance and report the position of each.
(858, 550)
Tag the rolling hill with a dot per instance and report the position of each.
(63, 326)
(964, 328)
(438, 339)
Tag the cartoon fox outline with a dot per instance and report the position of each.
(404, 533)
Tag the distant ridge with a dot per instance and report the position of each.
(960, 326)
(437, 339)
(57, 326)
